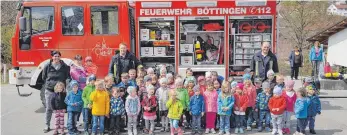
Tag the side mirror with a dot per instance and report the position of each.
(23, 24)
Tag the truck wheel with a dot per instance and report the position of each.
(42, 96)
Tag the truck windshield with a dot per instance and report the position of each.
(40, 18)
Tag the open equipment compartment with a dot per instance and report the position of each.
(246, 37)
(201, 40)
(157, 41)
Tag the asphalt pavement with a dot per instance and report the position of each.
(25, 115)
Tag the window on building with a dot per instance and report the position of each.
(104, 20)
(72, 20)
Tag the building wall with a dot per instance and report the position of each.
(337, 49)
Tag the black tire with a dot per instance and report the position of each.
(42, 96)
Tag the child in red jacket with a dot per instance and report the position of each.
(240, 106)
(277, 105)
(149, 105)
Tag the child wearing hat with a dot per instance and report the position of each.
(314, 108)
(241, 103)
(258, 82)
(271, 79)
(250, 91)
(262, 103)
(175, 112)
(170, 81)
(162, 95)
(277, 105)
(90, 67)
(87, 104)
(197, 110)
(74, 106)
(149, 105)
(290, 96)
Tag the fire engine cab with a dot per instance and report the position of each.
(205, 36)
(87, 28)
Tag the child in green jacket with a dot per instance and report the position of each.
(87, 116)
(183, 97)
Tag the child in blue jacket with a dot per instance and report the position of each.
(197, 110)
(74, 106)
(225, 107)
(262, 106)
(300, 109)
(313, 109)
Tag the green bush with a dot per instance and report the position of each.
(6, 48)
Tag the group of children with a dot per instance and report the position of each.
(208, 102)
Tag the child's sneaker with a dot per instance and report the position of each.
(162, 130)
(220, 132)
(241, 131)
(280, 132)
(312, 131)
(236, 130)
(260, 129)
(46, 130)
(267, 129)
(213, 131)
(274, 131)
(227, 133)
(207, 131)
(296, 133)
(249, 128)
(55, 133)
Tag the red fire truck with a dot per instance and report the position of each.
(217, 36)
(87, 28)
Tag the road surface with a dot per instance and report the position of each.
(25, 115)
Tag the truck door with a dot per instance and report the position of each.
(72, 28)
(104, 37)
(40, 35)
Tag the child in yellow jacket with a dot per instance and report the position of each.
(175, 112)
(101, 106)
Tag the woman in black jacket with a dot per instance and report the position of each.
(296, 61)
(55, 71)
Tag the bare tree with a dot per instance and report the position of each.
(302, 19)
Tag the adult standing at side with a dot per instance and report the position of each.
(55, 71)
(316, 57)
(263, 61)
(296, 61)
(78, 72)
(122, 62)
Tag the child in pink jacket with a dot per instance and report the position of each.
(251, 92)
(210, 96)
(290, 96)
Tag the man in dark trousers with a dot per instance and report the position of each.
(122, 62)
(263, 61)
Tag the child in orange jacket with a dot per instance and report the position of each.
(240, 106)
(277, 105)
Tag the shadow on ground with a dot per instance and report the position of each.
(40, 110)
(327, 106)
(328, 132)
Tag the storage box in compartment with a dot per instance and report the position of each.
(165, 36)
(159, 51)
(266, 37)
(247, 45)
(256, 38)
(238, 51)
(186, 60)
(238, 45)
(186, 48)
(257, 44)
(244, 38)
(144, 34)
(249, 51)
(247, 56)
(238, 56)
(146, 51)
(238, 62)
